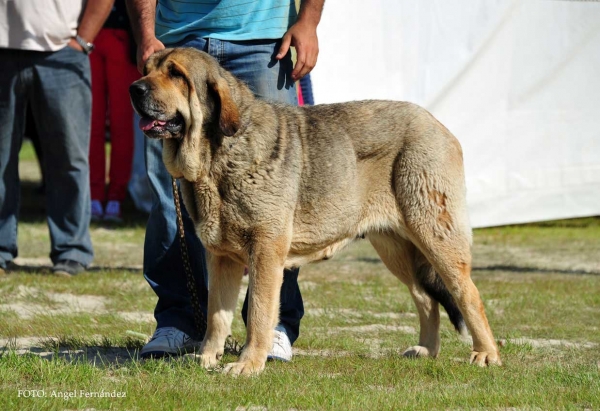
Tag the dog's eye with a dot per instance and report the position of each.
(174, 72)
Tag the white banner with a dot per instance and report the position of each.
(517, 82)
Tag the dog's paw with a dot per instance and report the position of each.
(485, 358)
(246, 368)
(418, 351)
(208, 360)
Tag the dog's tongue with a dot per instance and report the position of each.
(148, 123)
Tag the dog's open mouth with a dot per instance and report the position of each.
(154, 127)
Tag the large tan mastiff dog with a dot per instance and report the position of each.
(273, 186)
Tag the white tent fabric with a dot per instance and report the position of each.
(518, 83)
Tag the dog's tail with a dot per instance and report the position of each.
(435, 287)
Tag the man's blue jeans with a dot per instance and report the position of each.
(253, 62)
(57, 85)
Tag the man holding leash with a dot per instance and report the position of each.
(252, 40)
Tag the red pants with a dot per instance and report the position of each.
(112, 74)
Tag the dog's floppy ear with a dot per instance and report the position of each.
(229, 116)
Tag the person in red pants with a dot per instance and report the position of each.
(113, 71)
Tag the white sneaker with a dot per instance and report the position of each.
(168, 341)
(282, 348)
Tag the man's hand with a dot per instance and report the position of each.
(146, 48)
(142, 15)
(303, 36)
(74, 45)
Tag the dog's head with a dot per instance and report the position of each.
(183, 93)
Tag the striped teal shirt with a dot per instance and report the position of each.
(233, 20)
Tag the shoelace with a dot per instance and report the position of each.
(161, 332)
(278, 339)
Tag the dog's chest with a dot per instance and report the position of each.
(219, 224)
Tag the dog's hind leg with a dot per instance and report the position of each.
(225, 277)
(435, 288)
(429, 186)
(398, 255)
(452, 260)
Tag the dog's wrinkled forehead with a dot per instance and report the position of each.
(156, 60)
(188, 60)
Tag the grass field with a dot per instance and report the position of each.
(75, 337)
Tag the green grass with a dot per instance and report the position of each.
(330, 383)
(540, 284)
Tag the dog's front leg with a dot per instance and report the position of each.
(224, 279)
(266, 277)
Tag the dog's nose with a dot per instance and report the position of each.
(139, 89)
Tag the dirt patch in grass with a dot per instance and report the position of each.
(28, 305)
(371, 328)
(29, 302)
(321, 353)
(548, 343)
(348, 313)
(137, 316)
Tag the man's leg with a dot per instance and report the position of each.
(163, 264)
(61, 104)
(12, 115)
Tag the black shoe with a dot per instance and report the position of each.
(68, 268)
(5, 268)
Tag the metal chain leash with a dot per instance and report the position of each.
(199, 318)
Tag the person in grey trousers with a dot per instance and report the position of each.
(44, 47)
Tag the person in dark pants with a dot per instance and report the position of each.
(252, 40)
(44, 62)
